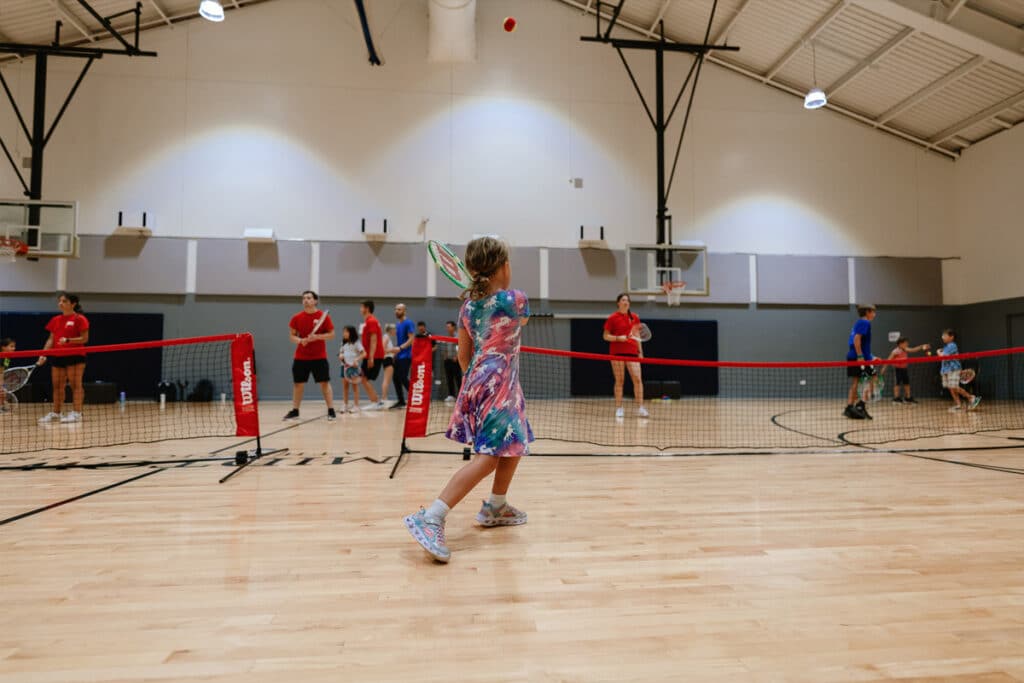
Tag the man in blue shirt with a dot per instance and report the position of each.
(405, 331)
(859, 349)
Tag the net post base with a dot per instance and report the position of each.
(245, 458)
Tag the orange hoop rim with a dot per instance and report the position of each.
(13, 245)
(669, 287)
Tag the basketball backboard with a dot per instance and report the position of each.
(650, 266)
(49, 228)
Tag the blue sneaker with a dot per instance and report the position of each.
(506, 515)
(428, 534)
(974, 403)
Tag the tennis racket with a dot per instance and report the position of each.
(319, 323)
(449, 263)
(16, 378)
(641, 332)
(353, 374)
(967, 376)
(9, 404)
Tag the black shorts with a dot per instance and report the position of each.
(853, 371)
(371, 373)
(301, 370)
(66, 361)
(387, 362)
(902, 375)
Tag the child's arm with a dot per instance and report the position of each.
(465, 348)
(919, 347)
(892, 354)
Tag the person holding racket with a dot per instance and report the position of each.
(859, 348)
(68, 330)
(490, 412)
(622, 332)
(951, 370)
(900, 353)
(309, 329)
(351, 375)
(6, 346)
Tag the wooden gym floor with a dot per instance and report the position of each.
(814, 567)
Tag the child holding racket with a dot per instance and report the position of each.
(859, 349)
(309, 329)
(351, 355)
(6, 346)
(900, 353)
(490, 410)
(950, 371)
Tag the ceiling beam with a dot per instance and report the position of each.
(804, 39)
(949, 12)
(869, 61)
(992, 111)
(932, 88)
(897, 12)
(161, 12)
(661, 14)
(724, 33)
(72, 19)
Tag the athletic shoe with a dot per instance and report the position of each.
(863, 410)
(974, 403)
(429, 534)
(955, 409)
(910, 400)
(642, 412)
(897, 399)
(506, 515)
(71, 417)
(449, 399)
(49, 417)
(331, 415)
(395, 406)
(852, 413)
(293, 414)
(380, 405)
(619, 412)
(353, 409)
(4, 409)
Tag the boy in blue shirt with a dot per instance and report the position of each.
(859, 349)
(950, 371)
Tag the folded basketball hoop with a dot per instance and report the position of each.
(11, 248)
(673, 292)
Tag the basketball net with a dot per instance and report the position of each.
(10, 248)
(673, 292)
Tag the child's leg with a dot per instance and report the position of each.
(953, 393)
(906, 391)
(345, 391)
(503, 475)
(471, 474)
(852, 397)
(896, 390)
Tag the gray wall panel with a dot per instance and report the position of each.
(112, 265)
(28, 276)
(586, 274)
(808, 280)
(728, 280)
(526, 270)
(899, 281)
(368, 269)
(228, 266)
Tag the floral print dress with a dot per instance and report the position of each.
(490, 412)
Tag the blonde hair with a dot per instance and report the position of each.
(484, 256)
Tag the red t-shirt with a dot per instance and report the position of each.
(621, 324)
(62, 326)
(899, 354)
(372, 326)
(303, 324)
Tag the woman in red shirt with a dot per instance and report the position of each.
(620, 333)
(70, 329)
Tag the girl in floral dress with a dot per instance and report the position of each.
(490, 411)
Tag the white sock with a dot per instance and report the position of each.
(438, 510)
(496, 501)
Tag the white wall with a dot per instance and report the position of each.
(275, 119)
(990, 222)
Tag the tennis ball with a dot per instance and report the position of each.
(509, 24)
(803, 382)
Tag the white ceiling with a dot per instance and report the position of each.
(943, 74)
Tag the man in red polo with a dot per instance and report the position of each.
(373, 344)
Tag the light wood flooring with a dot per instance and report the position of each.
(816, 567)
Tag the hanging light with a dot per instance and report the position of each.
(815, 97)
(211, 10)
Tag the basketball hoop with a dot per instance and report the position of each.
(11, 248)
(673, 292)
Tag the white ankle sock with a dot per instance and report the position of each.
(496, 501)
(438, 510)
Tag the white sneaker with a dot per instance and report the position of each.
(619, 412)
(71, 417)
(449, 399)
(380, 405)
(642, 412)
(49, 417)
(354, 409)
(955, 409)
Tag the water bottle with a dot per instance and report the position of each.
(121, 398)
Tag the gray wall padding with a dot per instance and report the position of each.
(226, 266)
(898, 281)
(366, 269)
(141, 265)
(806, 280)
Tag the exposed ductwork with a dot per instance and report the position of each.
(452, 37)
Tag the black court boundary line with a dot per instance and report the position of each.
(80, 496)
(182, 462)
(263, 436)
(797, 431)
(916, 453)
(964, 463)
